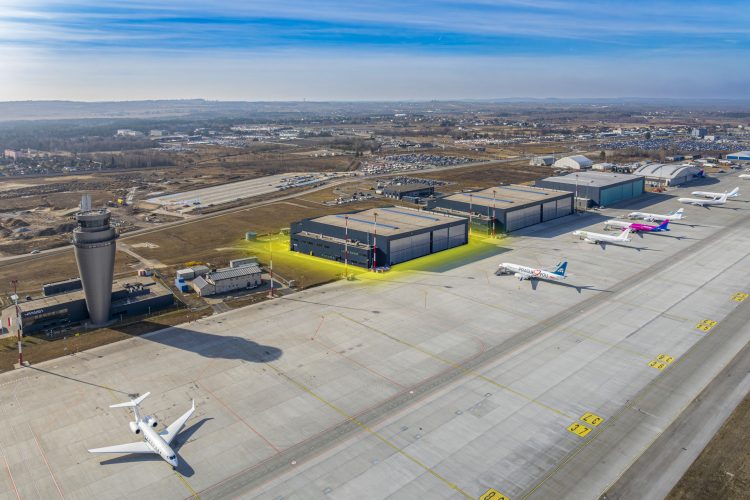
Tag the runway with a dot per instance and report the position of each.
(443, 384)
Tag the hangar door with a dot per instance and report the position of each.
(522, 218)
(440, 239)
(408, 248)
(457, 235)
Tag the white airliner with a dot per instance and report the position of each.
(703, 202)
(603, 238)
(531, 273)
(678, 215)
(708, 194)
(154, 442)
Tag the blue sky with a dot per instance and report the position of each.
(334, 50)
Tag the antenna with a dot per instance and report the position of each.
(85, 203)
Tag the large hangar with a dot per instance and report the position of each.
(601, 188)
(511, 207)
(378, 237)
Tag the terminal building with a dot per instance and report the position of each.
(379, 237)
(507, 208)
(64, 304)
(660, 174)
(597, 188)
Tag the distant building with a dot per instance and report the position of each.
(575, 162)
(542, 161)
(599, 188)
(126, 132)
(660, 174)
(698, 132)
(739, 156)
(227, 279)
(416, 190)
(604, 167)
(15, 154)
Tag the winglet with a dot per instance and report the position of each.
(132, 402)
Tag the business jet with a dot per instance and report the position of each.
(704, 202)
(531, 273)
(157, 443)
(637, 227)
(708, 194)
(590, 237)
(678, 215)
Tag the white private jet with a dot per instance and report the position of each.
(704, 202)
(590, 237)
(708, 194)
(154, 442)
(530, 273)
(678, 215)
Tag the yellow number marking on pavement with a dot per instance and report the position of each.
(592, 419)
(579, 429)
(739, 296)
(664, 358)
(493, 494)
(705, 325)
(658, 365)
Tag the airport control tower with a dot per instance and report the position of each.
(94, 242)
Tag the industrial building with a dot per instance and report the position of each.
(378, 237)
(416, 190)
(575, 162)
(507, 208)
(94, 246)
(660, 174)
(132, 297)
(542, 161)
(597, 188)
(227, 279)
(739, 156)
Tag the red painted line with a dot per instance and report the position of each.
(238, 417)
(7, 467)
(322, 319)
(46, 462)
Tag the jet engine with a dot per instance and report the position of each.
(151, 421)
(134, 428)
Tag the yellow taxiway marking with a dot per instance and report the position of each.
(493, 494)
(739, 296)
(665, 358)
(184, 481)
(705, 325)
(369, 429)
(579, 429)
(658, 365)
(592, 419)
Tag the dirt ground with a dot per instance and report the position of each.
(722, 470)
(485, 176)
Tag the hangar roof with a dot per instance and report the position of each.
(391, 220)
(596, 179)
(508, 197)
(666, 171)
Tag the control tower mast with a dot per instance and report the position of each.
(94, 243)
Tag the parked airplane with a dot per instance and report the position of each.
(154, 442)
(590, 237)
(708, 194)
(744, 176)
(703, 202)
(678, 215)
(637, 227)
(530, 273)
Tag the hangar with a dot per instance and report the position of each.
(378, 237)
(575, 162)
(514, 206)
(739, 156)
(660, 174)
(600, 188)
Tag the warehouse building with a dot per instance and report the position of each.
(379, 237)
(739, 156)
(575, 162)
(132, 297)
(660, 174)
(514, 206)
(227, 279)
(597, 188)
(416, 190)
(542, 161)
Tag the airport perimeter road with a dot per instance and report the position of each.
(441, 383)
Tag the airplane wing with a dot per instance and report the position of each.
(140, 447)
(174, 428)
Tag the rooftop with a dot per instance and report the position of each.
(405, 188)
(391, 220)
(666, 171)
(505, 197)
(597, 179)
(232, 272)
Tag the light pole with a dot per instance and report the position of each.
(575, 200)
(346, 247)
(471, 199)
(493, 213)
(270, 266)
(375, 246)
(19, 323)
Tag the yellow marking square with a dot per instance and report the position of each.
(708, 322)
(493, 494)
(739, 296)
(705, 328)
(664, 358)
(658, 365)
(579, 429)
(592, 419)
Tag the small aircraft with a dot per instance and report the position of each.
(154, 442)
(703, 202)
(590, 237)
(637, 227)
(530, 273)
(708, 194)
(678, 215)
(744, 176)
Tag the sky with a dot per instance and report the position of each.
(372, 50)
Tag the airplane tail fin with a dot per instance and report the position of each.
(561, 268)
(679, 214)
(664, 225)
(132, 403)
(734, 192)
